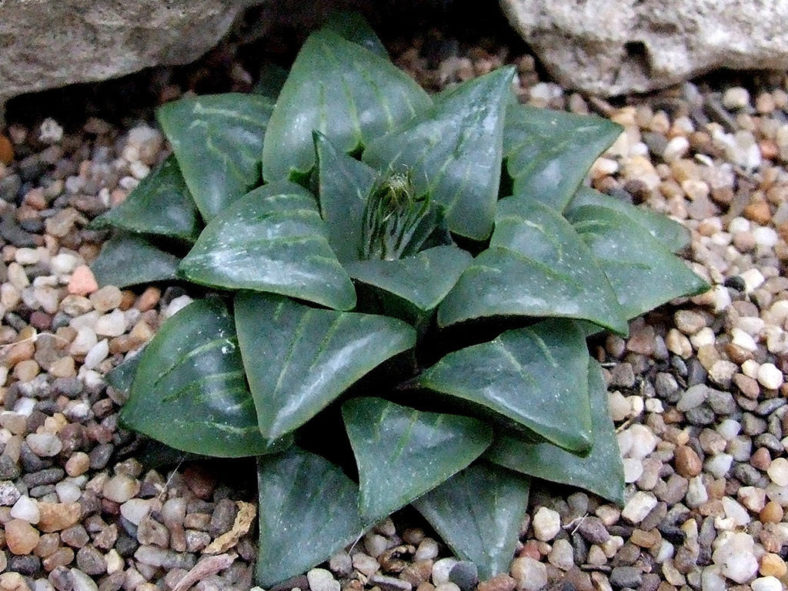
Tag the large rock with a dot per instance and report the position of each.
(612, 47)
(47, 44)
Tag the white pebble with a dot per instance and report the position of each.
(721, 298)
(639, 506)
(718, 465)
(778, 471)
(743, 340)
(738, 225)
(752, 325)
(638, 441)
(111, 325)
(134, 510)
(735, 511)
(176, 305)
(734, 555)
(50, 131)
(546, 524)
(82, 582)
(67, 491)
(752, 497)
(26, 509)
(750, 368)
(769, 376)
(712, 579)
(441, 569)
(705, 336)
(693, 397)
(696, 492)
(26, 256)
(753, 279)
(427, 550)
(321, 579)
(139, 170)
(120, 488)
(97, 354)
(633, 469)
(766, 584)
(44, 445)
(766, 237)
(675, 148)
(531, 575)
(729, 429)
(736, 97)
(83, 342)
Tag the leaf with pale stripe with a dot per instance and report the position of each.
(548, 153)
(643, 272)
(478, 513)
(298, 359)
(416, 450)
(454, 151)
(534, 376)
(536, 265)
(600, 472)
(217, 140)
(671, 234)
(189, 390)
(354, 27)
(161, 204)
(423, 279)
(344, 91)
(129, 259)
(308, 511)
(271, 240)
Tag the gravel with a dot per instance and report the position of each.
(697, 391)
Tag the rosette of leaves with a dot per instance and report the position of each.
(412, 275)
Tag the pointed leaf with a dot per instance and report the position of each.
(671, 234)
(600, 472)
(126, 259)
(643, 272)
(536, 265)
(548, 153)
(272, 240)
(535, 376)
(344, 185)
(271, 80)
(308, 511)
(454, 151)
(478, 513)
(415, 450)
(298, 359)
(423, 279)
(161, 204)
(342, 90)
(354, 27)
(121, 376)
(189, 391)
(217, 140)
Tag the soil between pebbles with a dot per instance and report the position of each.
(697, 390)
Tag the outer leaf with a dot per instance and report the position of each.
(126, 260)
(271, 240)
(189, 391)
(415, 450)
(423, 279)
(643, 272)
(308, 511)
(671, 234)
(478, 513)
(298, 359)
(344, 185)
(354, 27)
(536, 265)
(161, 204)
(454, 151)
(121, 376)
(217, 140)
(600, 472)
(342, 90)
(535, 376)
(549, 152)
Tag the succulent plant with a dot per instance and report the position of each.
(413, 275)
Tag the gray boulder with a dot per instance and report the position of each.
(46, 44)
(612, 47)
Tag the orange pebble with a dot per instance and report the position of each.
(6, 150)
(82, 281)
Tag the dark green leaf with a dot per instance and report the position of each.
(127, 259)
(402, 453)
(344, 185)
(537, 266)
(272, 240)
(548, 153)
(643, 272)
(478, 513)
(423, 279)
(671, 234)
(298, 359)
(217, 140)
(600, 472)
(272, 79)
(535, 376)
(342, 90)
(354, 27)
(189, 391)
(121, 376)
(161, 204)
(454, 151)
(308, 511)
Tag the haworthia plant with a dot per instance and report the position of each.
(365, 269)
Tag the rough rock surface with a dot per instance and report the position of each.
(612, 48)
(49, 44)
